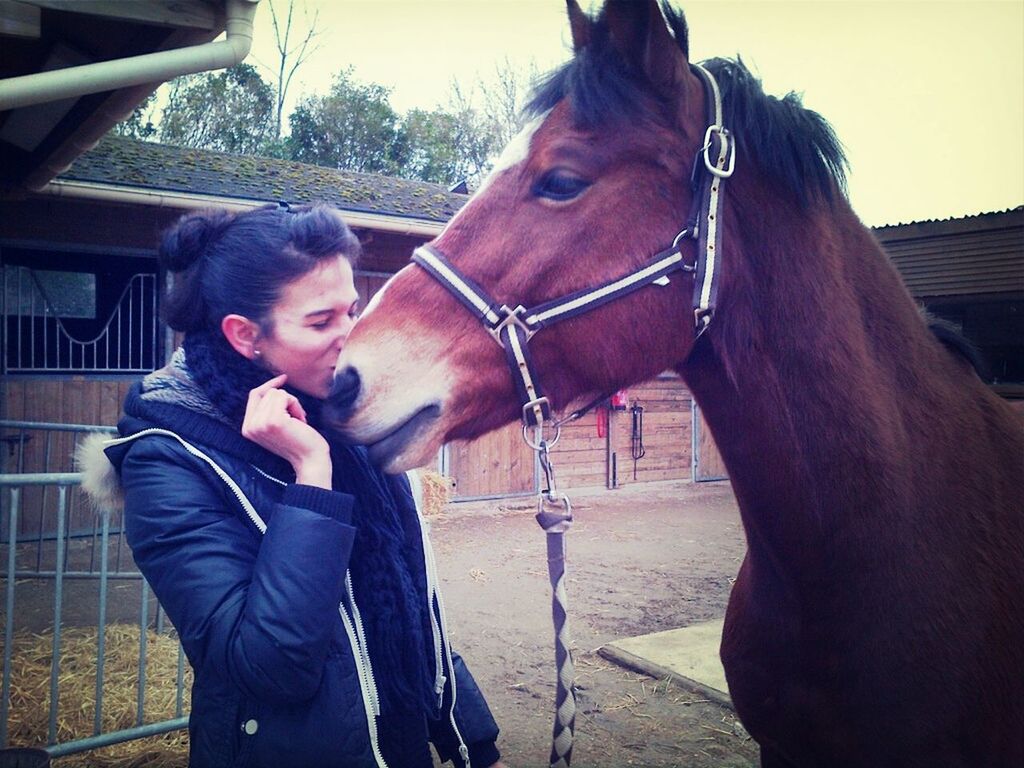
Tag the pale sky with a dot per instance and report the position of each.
(927, 97)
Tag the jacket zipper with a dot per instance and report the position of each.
(246, 505)
(364, 670)
(438, 621)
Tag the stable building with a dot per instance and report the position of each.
(81, 304)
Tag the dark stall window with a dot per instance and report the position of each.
(79, 313)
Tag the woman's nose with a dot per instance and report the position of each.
(346, 328)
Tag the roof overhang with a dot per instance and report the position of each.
(71, 69)
(111, 193)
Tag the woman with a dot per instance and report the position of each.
(298, 577)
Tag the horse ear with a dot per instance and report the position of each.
(580, 25)
(640, 33)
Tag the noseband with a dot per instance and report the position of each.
(512, 329)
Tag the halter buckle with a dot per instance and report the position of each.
(510, 317)
(730, 149)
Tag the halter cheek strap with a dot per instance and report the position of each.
(716, 162)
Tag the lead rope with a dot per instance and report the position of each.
(554, 515)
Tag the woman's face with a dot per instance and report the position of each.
(309, 325)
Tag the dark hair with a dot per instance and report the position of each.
(239, 263)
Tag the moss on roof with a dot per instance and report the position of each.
(128, 162)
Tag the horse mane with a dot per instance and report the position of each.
(950, 336)
(792, 145)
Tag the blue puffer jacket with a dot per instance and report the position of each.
(248, 566)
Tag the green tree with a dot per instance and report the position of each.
(139, 124)
(433, 150)
(353, 127)
(229, 111)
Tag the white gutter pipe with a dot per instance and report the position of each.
(110, 193)
(73, 82)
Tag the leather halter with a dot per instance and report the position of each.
(513, 328)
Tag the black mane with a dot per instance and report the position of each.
(791, 144)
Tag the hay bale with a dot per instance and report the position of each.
(437, 490)
(30, 695)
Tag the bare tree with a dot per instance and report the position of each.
(505, 96)
(291, 55)
(489, 114)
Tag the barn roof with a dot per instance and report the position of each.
(145, 165)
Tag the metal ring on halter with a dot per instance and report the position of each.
(675, 244)
(537, 446)
(730, 148)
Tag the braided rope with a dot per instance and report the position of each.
(555, 526)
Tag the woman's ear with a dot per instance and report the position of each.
(242, 334)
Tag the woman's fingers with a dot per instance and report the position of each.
(295, 409)
(268, 386)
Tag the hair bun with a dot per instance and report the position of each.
(189, 240)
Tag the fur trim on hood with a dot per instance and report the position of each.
(100, 481)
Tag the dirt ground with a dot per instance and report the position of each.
(639, 561)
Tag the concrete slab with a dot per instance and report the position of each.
(688, 656)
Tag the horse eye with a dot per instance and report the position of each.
(559, 185)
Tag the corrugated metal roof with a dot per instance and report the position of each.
(958, 257)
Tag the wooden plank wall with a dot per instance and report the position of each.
(580, 455)
(64, 400)
(497, 464)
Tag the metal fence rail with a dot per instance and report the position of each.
(47, 447)
(17, 579)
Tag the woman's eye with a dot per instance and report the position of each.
(560, 186)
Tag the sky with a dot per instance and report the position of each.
(927, 97)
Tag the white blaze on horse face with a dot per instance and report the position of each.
(400, 376)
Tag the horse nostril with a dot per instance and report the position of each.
(344, 389)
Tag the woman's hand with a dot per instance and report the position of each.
(276, 420)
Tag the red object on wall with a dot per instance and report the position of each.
(620, 400)
(602, 421)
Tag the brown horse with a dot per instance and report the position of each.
(878, 618)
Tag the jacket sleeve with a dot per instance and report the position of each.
(472, 716)
(249, 607)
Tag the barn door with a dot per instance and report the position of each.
(494, 466)
(707, 463)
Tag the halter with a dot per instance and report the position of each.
(512, 329)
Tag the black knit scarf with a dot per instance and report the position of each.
(392, 600)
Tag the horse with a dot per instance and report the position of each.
(878, 616)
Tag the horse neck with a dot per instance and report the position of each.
(811, 377)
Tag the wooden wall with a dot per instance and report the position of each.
(63, 400)
(582, 457)
(497, 464)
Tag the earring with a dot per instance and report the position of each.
(256, 353)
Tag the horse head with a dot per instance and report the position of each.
(596, 183)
